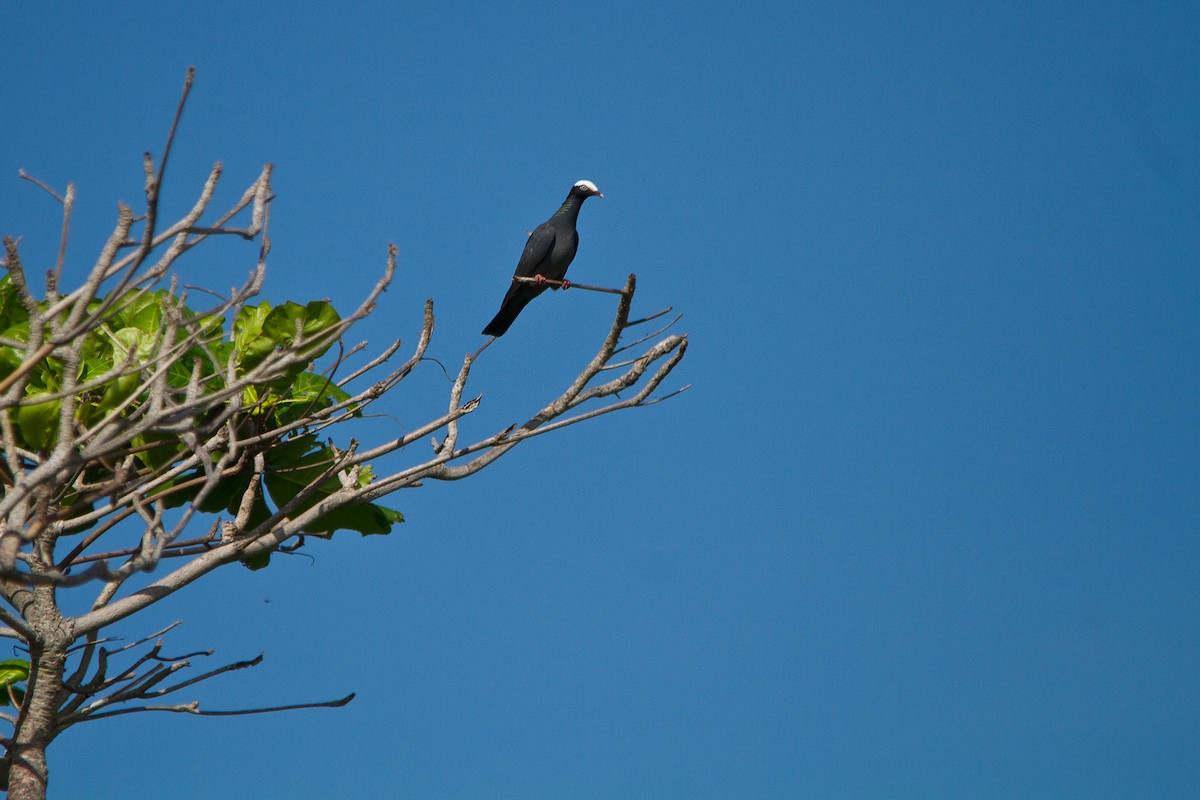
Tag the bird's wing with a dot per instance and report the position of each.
(537, 250)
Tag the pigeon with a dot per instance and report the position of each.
(548, 252)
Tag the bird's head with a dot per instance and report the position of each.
(585, 189)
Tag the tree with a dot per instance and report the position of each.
(149, 442)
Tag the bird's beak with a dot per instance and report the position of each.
(600, 194)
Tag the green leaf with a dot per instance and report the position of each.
(248, 338)
(167, 449)
(288, 474)
(14, 327)
(128, 344)
(260, 330)
(179, 373)
(142, 310)
(312, 319)
(258, 560)
(368, 519)
(226, 497)
(13, 671)
(39, 424)
(308, 394)
(227, 494)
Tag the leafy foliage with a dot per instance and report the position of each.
(118, 357)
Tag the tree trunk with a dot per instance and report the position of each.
(28, 773)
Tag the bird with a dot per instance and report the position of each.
(548, 252)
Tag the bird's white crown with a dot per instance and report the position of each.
(591, 187)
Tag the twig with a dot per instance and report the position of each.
(168, 549)
(667, 396)
(483, 347)
(648, 336)
(162, 162)
(138, 642)
(247, 235)
(41, 185)
(655, 315)
(68, 206)
(194, 708)
(570, 284)
(375, 362)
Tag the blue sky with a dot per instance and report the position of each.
(926, 525)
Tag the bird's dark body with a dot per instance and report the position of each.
(548, 252)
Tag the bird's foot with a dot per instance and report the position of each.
(539, 280)
(566, 284)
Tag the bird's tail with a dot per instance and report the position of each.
(505, 316)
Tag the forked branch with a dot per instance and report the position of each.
(129, 690)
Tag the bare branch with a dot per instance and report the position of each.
(194, 708)
(19, 627)
(94, 698)
(564, 284)
(375, 362)
(653, 316)
(41, 185)
(648, 336)
(162, 164)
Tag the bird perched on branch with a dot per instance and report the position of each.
(548, 253)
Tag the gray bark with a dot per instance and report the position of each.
(35, 728)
